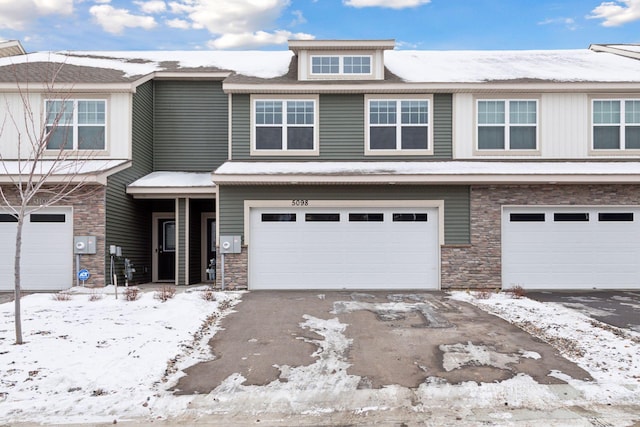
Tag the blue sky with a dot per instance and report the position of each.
(268, 24)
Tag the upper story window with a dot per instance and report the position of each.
(616, 124)
(76, 124)
(507, 124)
(399, 126)
(286, 125)
(341, 64)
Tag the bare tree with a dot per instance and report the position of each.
(44, 166)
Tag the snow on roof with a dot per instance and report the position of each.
(174, 180)
(629, 47)
(59, 167)
(479, 66)
(428, 168)
(262, 64)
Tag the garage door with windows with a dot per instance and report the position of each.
(47, 250)
(571, 247)
(344, 248)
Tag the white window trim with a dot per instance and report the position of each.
(74, 126)
(341, 65)
(607, 151)
(399, 151)
(507, 150)
(285, 152)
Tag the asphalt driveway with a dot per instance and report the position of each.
(617, 308)
(392, 338)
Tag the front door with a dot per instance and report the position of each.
(166, 249)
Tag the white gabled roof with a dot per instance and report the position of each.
(172, 183)
(431, 172)
(88, 171)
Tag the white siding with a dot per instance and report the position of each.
(563, 133)
(13, 110)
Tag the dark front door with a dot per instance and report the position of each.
(166, 249)
(211, 249)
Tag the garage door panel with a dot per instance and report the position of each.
(345, 254)
(572, 254)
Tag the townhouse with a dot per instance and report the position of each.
(339, 165)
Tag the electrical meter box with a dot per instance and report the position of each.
(84, 245)
(230, 244)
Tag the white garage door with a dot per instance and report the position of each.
(344, 248)
(47, 250)
(571, 248)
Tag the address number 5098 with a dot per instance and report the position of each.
(299, 202)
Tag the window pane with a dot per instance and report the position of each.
(325, 65)
(268, 138)
(268, 112)
(606, 137)
(571, 217)
(522, 138)
(322, 217)
(382, 112)
(8, 218)
(366, 217)
(491, 112)
(47, 218)
(300, 138)
(615, 216)
(283, 217)
(606, 112)
(414, 112)
(169, 236)
(522, 112)
(300, 112)
(91, 138)
(382, 138)
(60, 112)
(414, 138)
(526, 217)
(357, 65)
(491, 138)
(409, 217)
(91, 112)
(632, 137)
(60, 137)
(632, 112)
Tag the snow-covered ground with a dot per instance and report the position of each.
(89, 360)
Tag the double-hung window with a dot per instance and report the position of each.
(340, 64)
(285, 125)
(507, 124)
(616, 124)
(399, 125)
(76, 124)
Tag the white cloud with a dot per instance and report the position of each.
(152, 6)
(114, 20)
(298, 18)
(616, 13)
(569, 23)
(391, 4)
(17, 15)
(255, 40)
(178, 23)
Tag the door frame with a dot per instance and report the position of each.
(155, 239)
(204, 217)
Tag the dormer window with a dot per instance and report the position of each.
(340, 64)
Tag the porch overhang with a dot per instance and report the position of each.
(61, 171)
(171, 185)
(428, 173)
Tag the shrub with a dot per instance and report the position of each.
(131, 293)
(517, 292)
(483, 294)
(61, 296)
(165, 293)
(208, 294)
(96, 296)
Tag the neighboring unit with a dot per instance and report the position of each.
(341, 165)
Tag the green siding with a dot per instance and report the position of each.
(129, 220)
(342, 130)
(456, 202)
(190, 126)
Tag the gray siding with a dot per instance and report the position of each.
(129, 220)
(342, 130)
(456, 200)
(190, 126)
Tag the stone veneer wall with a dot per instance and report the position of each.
(236, 269)
(88, 205)
(478, 265)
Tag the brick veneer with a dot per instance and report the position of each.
(235, 270)
(478, 265)
(88, 205)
